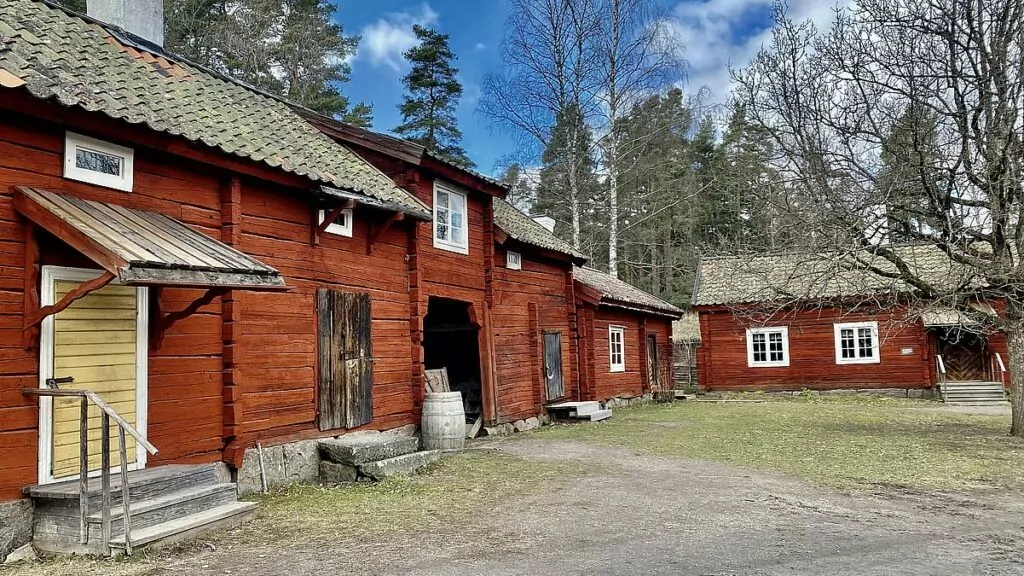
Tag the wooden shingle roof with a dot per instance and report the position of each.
(615, 292)
(141, 247)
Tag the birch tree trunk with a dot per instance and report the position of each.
(613, 210)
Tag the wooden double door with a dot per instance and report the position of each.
(964, 355)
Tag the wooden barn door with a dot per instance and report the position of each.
(653, 375)
(345, 358)
(553, 365)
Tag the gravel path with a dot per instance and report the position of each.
(638, 514)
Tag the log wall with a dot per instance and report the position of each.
(906, 356)
(184, 373)
(527, 303)
(597, 380)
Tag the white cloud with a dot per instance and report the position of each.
(385, 40)
(480, 47)
(708, 29)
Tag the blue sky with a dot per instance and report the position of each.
(716, 33)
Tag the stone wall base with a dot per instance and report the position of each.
(15, 526)
(623, 402)
(914, 393)
(285, 464)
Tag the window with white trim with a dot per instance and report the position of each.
(767, 347)
(342, 225)
(450, 219)
(617, 348)
(98, 162)
(857, 343)
(513, 260)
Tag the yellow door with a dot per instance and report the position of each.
(94, 341)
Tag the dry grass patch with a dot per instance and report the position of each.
(844, 442)
(458, 493)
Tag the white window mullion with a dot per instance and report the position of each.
(768, 347)
(857, 343)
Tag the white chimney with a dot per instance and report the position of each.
(546, 221)
(144, 18)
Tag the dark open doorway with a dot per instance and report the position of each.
(450, 342)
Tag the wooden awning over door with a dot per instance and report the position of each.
(144, 248)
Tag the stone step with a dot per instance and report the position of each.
(404, 464)
(575, 409)
(222, 517)
(142, 484)
(152, 511)
(363, 447)
(598, 416)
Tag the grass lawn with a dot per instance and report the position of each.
(849, 443)
(448, 496)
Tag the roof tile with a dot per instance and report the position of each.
(83, 64)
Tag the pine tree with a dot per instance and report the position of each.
(910, 150)
(433, 93)
(568, 164)
(291, 48)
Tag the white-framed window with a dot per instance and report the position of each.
(617, 348)
(857, 343)
(450, 219)
(767, 347)
(98, 162)
(342, 225)
(513, 260)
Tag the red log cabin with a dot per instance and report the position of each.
(625, 337)
(190, 258)
(790, 322)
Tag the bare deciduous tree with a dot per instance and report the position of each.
(945, 80)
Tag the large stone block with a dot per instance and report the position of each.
(404, 464)
(334, 473)
(407, 430)
(526, 425)
(247, 481)
(15, 525)
(357, 449)
(301, 462)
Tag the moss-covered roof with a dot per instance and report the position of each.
(521, 227)
(815, 276)
(58, 55)
(615, 292)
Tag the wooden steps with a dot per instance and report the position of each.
(167, 504)
(590, 411)
(975, 393)
(222, 517)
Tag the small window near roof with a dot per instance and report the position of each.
(513, 261)
(767, 347)
(617, 348)
(98, 162)
(342, 225)
(857, 343)
(450, 219)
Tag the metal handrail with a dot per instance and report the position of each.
(106, 415)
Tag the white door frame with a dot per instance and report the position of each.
(46, 340)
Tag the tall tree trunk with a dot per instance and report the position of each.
(1015, 343)
(613, 211)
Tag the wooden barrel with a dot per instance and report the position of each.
(443, 426)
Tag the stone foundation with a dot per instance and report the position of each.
(631, 401)
(295, 463)
(913, 393)
(15, 526)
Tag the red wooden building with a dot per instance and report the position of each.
(179, 243)
(625, 337)
(796, 321)
(220, 268)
